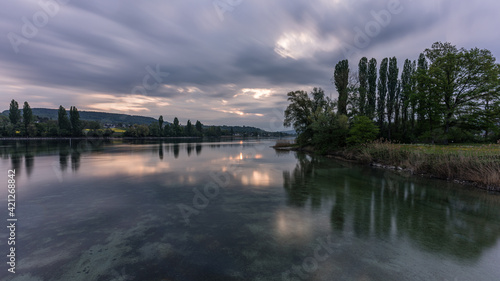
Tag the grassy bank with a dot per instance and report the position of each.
(476, 164)
(479, 164)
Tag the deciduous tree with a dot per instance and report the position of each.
(27, 117)
(341, 80)
(392, 84)
(372, 89)
(363, 84)
(14, 112)
(382, 91)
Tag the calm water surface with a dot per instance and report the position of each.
(236, 210)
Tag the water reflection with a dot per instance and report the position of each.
(176, 150)
(29, 162)
(198, 149)
(160, 150)
(435, 218)
(120, 202)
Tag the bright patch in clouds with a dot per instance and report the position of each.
(298, 45)
(237, 111)
(257, 93)
(134, 103)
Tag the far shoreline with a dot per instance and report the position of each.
(131, 138)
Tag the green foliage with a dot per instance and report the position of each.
(382, 91)
(330, 131)
(167, 130)
(176, 129)
(463, 79)
(406, 92)
(138, 131)
(189, 129)
(363, 130)
(93, 125)
(14, 112)
(341, 79)
(298, 115)
(372, 88)
(199, 127)
(213, 131)
(304, 110)
(154, 129)
(160, 124)
(363, 84)
(63, 122)
(76, 124)
(392, 84)
(28, 119)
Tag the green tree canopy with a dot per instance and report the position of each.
(363, 84)
(363, 130)
(392, 84)
(76, 124)
(27, 115)
(372, 88)
(177, 130)
(341, 79)
(382, 91)
(462, 78)
(14, 112)
(189, 128)
(199, 127)
(303, 111)
(63, 121)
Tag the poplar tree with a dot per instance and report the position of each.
(199, 127)
(392, 83)
(406, 90)
(189, 128)
(176, 128)
(76, 124)
(382, 91)
(372, 88)
(14, 112)
(160, 122)
(63, 121)
(27, 116)
(341, 80)
(363, 84)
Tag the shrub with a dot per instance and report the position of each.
(363, 130)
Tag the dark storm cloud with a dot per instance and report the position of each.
(106, 47)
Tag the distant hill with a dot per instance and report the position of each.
(125, 119)
(103, 117)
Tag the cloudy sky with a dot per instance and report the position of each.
(221, 62)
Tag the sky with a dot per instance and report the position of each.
(223, 62)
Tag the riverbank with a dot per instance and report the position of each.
(476, 165)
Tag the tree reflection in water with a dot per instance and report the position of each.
(437, 216)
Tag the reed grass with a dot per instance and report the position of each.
(283, 144)
(474, 163)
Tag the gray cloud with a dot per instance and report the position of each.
(93, 54)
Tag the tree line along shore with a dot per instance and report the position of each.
(24, 124)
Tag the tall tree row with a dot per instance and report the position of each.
(447, 94)
(406, 91)
(392, 84)
(372, 88)
(363, 84)
(382, 91)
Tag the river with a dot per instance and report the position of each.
(235, 210)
